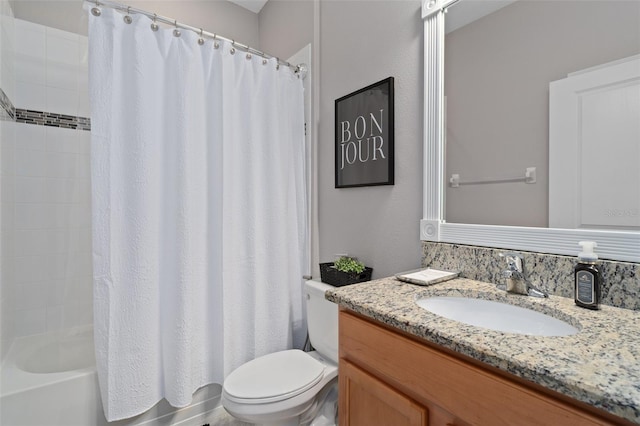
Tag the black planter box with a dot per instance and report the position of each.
(331, 276)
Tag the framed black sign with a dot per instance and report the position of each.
(364, 136)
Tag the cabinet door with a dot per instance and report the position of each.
(366, 401)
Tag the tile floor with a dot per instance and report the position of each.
(222, 418)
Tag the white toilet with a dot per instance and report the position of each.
(292, 387)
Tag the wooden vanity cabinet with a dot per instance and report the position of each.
(389, 378)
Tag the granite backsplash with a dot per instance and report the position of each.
(549, 272)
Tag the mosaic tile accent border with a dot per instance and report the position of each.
(52, 119)
(7, 110)
(10, 113)
(552, 273)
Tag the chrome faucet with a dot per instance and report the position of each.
(516, 282)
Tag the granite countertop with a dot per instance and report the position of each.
(600, 365)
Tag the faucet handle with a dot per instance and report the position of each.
(514, 262)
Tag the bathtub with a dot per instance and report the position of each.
(50, 380)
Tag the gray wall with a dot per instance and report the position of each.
(223, 17)
(360, 44)
(497, 74)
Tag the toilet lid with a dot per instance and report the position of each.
(274, 377)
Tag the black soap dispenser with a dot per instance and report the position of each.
(588, 278)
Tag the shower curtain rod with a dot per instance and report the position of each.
(298, 69)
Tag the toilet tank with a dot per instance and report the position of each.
(322, 320)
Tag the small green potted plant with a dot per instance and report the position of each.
(344, 271)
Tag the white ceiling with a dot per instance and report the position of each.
(253, 5)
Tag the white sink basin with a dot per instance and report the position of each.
(496, 316)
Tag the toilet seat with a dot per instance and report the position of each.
(274, 377)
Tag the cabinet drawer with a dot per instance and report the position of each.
(432, 377)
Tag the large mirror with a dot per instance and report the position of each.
(502, 72)
(540, 127)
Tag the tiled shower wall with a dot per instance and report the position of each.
(7, 142)
(46, 196)
(50, 70)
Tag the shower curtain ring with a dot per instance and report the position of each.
(176, 32)
(233, 48)
(127, 18)
(200, 40)
(215, 42)
(95, 11)
(154, 24)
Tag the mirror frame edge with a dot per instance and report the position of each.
(612, 245)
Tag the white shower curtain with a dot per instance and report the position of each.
(199, 233)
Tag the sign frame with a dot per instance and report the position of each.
(365, 109)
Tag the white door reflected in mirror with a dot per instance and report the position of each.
(594, 148)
